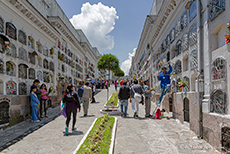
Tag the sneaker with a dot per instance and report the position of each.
(37, 121)
(134, 116)
(125, 116)
(66, 131)
(122, 114)
(73, 129)
(85, 115)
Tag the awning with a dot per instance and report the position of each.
(4, 37)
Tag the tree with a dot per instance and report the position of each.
(119, 73)
(108, 62)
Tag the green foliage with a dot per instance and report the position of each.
(99, 138)
(108, 62)
(118, 72)
(113, 101)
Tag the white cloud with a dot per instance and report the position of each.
(96, 21)
(125, 66)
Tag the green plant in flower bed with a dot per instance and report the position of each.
(113, 101)
(99, 139)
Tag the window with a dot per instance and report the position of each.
(32, 58)
(218, 102)
(172, 35)
(1, 25)
(22, 37)
(39, 47)
(178, 48)
(192, 11)
(30, 42)
(185, 42)
(31, 73)
(22, 71)
(22, 54)
(193, 34)
(164, 46)
(178, 28)
(177, 67)
(11, 88)
(219, 69)
(184, 20)
(1, 66)
(45, 64)
(39, 61)
(39, 75)
(188, 83)
(11, 31)
(12, 51)
(51, 66)
(185, 63)
(46, 77)
(46, 51)
(216, 7)
(193, 59)
(1, 87)
(10, 68)
(22, 88)
(63, 68)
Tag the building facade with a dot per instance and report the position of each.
(43, 45)
(190, 35)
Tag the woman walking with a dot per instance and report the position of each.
(71, 99)
(115, 84)
(44, 97)
(34, 104)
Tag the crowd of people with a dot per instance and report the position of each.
(137, 92)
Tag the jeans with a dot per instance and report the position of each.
(43, 103)
(164, 90)
(68, 114)
(125, 104)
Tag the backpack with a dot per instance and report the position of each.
(80, 91)
(158, 114)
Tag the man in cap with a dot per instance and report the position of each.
(164, 77)
(148, 96)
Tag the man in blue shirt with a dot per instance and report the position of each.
(164, 77)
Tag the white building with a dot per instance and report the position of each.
(190, 34)
(43, 45)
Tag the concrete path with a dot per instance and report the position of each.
(134, 136)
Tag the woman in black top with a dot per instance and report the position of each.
(71, 99)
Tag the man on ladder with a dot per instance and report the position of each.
(164, 77)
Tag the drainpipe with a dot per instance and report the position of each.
(199, 24)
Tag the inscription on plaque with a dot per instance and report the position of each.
(4, 112)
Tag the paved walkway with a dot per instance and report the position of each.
(134, 136)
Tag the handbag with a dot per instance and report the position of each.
(63, 108)
(137, 96)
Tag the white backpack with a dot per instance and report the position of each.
(137, 96)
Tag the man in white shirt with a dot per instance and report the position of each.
(87, 94)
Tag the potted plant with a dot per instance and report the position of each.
(51, 51)
(182, 85)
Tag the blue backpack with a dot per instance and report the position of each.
(80, 91)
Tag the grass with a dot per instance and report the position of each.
(99, 139)
(113, 101)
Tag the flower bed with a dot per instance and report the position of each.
(99, 138)
(113, 101)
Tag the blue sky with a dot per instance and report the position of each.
(124, 36)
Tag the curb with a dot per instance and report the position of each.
(112, 145)
(111, 149)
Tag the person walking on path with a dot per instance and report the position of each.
(123, 95)
(93, 92)
(148, 96)
(87, 94)
(106, 84)
(34, 104)
(44, 97)
(115, 84)
(80, 91)
(72, 104)
(136, 88)
(164, 77)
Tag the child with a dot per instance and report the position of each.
(34, 104)
(44, 97)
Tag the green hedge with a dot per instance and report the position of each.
(113, 101)
(99, 138)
